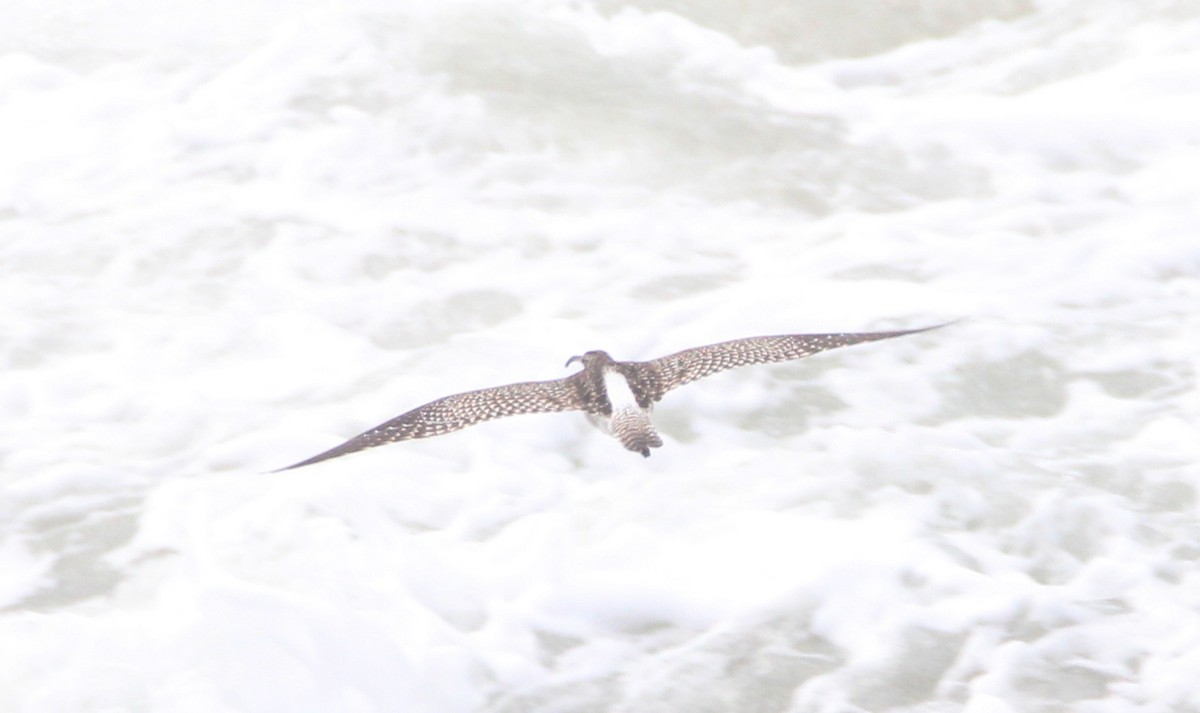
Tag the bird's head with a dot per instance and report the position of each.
(595, 356)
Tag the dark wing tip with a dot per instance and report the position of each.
(859, 337)
(917, 330)
(939, 325)
(378, 436)
(326, 455)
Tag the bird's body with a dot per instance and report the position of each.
(616, 395)
(624, 419)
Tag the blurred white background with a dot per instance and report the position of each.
(233, 234)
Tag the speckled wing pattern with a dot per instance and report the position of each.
(585, 391)
(651, 380)
(455, 412)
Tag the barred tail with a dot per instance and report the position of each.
(633, 429)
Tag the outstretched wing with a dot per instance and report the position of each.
(458, 411)
(653, 379)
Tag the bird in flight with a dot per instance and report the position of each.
(615, 395)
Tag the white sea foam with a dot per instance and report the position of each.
(235, 236)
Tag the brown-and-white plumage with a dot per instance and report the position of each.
(616, 395)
